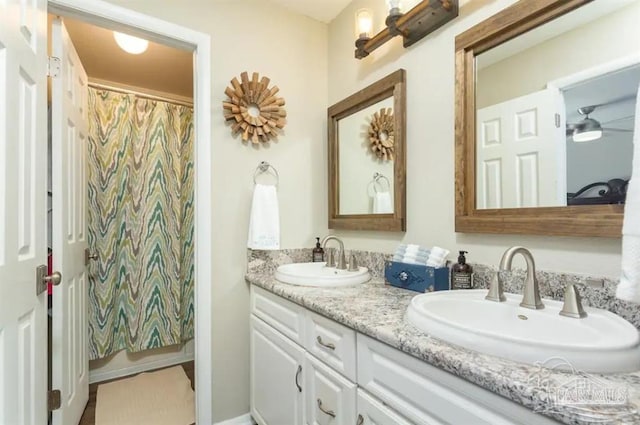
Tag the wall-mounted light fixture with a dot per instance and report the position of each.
(131, 44)
(412, 25)
(364, 24)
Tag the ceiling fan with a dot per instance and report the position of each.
(589, 129)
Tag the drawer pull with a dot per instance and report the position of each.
(326, 412)
(297, 377)
(360, 420)
(328, 345)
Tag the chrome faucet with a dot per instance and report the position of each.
(531, 292)
(342, 260)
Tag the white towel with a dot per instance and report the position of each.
(382, 203)
(264, 222)
(629, 286)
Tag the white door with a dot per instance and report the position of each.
(277, 377)
(330, 398)
(70, 360)
(520, 154)
(23, 214)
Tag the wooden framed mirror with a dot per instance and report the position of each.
(515, 160)
(367, 157)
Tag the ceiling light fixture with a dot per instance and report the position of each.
(588, 130)
(131, 44)
(418, 21)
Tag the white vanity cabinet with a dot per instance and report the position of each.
(310, 370)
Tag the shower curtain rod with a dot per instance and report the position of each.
(140, 94)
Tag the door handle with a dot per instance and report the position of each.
(42, 279)
(54, 278)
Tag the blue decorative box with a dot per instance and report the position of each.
(416, 277)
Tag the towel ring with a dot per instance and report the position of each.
(264, 167)
(376, 179)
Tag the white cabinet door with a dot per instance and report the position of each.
(276, 376)
(330, 399)
(23, 211)
(373, 412)
(70, 352)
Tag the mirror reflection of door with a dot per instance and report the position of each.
(364, 176)
(573, 92)
(518, 160)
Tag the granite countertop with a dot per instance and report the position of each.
(378, 310)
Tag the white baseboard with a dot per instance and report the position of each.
(142, 367)
(240, 420)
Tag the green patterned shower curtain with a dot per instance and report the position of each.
(140, 223)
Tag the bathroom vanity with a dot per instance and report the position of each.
(347, 356)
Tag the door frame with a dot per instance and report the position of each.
(571, 80)
(118, 18)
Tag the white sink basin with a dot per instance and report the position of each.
(316, 274)
(602, 342)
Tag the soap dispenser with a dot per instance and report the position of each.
(318, 252)
(461, 273)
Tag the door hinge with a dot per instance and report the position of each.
(557, 120)
(53, 66)
(53, 400)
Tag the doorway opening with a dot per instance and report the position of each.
(115, 18)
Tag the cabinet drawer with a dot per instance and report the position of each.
(428, 395)
(331, 342)
(330, 398)
(374, 412)
(283, 315)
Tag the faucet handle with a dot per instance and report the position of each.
(572, 306)
(331, 259)
(496, 289)
(342, 261)
(353, 263)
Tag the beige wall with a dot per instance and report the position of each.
(253, 35)
(430, 147)
(569, 53)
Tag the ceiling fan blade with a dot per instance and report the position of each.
(618, 119)
(619, 130)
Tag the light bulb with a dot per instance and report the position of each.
(586, 136)
(364, 23)
(130, 44)
(394, 4)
